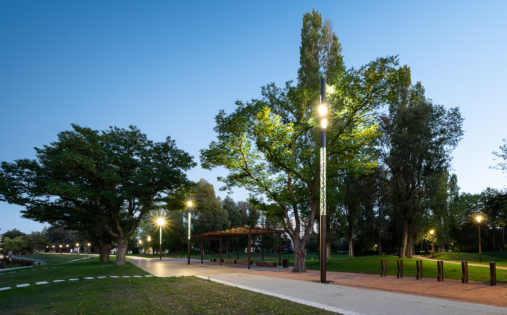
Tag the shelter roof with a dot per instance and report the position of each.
(237, 232)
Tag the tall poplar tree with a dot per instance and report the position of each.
(270, 145)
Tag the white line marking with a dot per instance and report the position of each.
(58, 281)
(5, 288)
(101, 277)
(125, 276)
(41, 282)
(88, 278)
(74, 279)
(285, 297)
(23, 285)
(138, 276)
(113, 277)
(148, 276)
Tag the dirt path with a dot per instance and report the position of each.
(458, 262)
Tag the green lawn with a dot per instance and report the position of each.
(186, 295)
(499, 257)
(55, 258)
(371, 265)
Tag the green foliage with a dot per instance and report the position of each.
(101, 182)
(501, 156)
(270, 145)
(16, 244)
(208, 213)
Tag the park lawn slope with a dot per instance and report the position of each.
(55, 258)
(65, 271)
(499, 257)
(371, 265)
(185, 295)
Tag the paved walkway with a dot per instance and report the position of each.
(347, 295)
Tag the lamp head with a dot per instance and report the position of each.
(160, 221)
(89, 244)
(323, 110)
(190, 204)
(479, 218)
(149, 238)
(432, 231)
(77, 244)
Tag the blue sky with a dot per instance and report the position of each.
(168, 67)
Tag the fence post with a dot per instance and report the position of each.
(464, 272)
(399, 264)
(440, 267)
(492, 273)
(383, 271)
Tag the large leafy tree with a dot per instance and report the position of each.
(419, 137)
(270, 145)
(209, 214)
(101, 182)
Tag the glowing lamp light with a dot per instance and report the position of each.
(479, 218)
(140, 242)
(77, 244)
(432, 232)
(323, 110)
(149, 238)
(160, 221)
(190, 204)
(89, 244)
(323, 123)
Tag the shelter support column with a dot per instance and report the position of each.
(202, 250)
(220, 250)
(249, 247)
(280, 249)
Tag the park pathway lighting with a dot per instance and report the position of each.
(160, 223)
(190, 204)
(149, 240)
(479, 218)
(323, 109)
(432, 233)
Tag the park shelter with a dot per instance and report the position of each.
(237, 232)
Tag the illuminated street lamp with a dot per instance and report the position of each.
(160, 223)
(479, 218)
(190, 204)
(149, 240)
(323, 109)
(432, 233)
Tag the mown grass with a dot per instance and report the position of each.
(499, 257)
(55, 258)
(371, 265)
(186, 295)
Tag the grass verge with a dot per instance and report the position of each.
(187, 295)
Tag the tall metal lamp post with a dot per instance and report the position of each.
(160, 223)
(323, 109)
(479, 218)
(189, 206)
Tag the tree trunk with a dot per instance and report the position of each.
(351, 248)
(503, 238)
(379, 247)
(121, 253)
(409, 252)
(299, 257)
(493, 238)
(404, 239)
(104, 250)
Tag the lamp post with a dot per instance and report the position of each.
(160, 223)
(189, 206)
(323, 109)
(432, 233)
(149, 240)
(479, 218)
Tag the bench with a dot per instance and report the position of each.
(265, 264)
(229, 261)
(244, 262)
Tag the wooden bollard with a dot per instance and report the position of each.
(440, 267)
(464, 272)
(419, 266)
(383, 268)
(399, 264)
(492, 273)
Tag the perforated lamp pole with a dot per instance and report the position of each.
(323, 108)
(189, 206)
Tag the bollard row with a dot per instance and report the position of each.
(440, 270)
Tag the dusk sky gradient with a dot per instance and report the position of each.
(168, 67)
